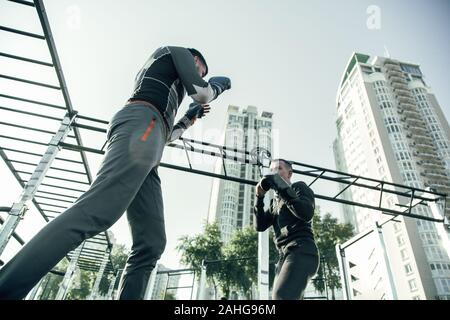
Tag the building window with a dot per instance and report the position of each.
(404, 254)
(408, 268)
(412, 284)
(400, 240)
(445, 286)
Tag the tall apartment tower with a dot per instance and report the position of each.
(231, 202)
(391, 127)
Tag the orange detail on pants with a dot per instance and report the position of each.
(148, 130)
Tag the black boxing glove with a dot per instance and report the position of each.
(220, 84)
(277, 183)
(195, 110)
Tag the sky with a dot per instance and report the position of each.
(285, 57)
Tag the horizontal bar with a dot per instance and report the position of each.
(24, 140)
(83, 126)
(86, 268)
(31, 113)
(33, 101)
(55, 186)
(32, 129)
(50, 217)
(404, 194)
(27, 3)
(39, 155)
(23, 33)
(216, 146)
(184, 287)
(95, 260)
(209, 174)
(23, 162)
(24, 127)
(47, 210)
(41, 84)
(212, 153)
(249, 182)
(50, 198)
(20, 151)
(92, 257)
(67, 170)
(51, 205)
(56, 194)
(105, 243)
(74, 147)
(11, 56)
(55, 272)
(68, 180)
(94, 263)
(69, 160)
(383, 210)
(92, 119)
(364, 178)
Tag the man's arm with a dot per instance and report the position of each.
(195, 111)
(264, 218)
(303, 205)
(198, 89)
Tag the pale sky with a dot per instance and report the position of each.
(285, 57)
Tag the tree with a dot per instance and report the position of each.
(328, 232)
(244, 247)
(119, 256)
(170, 296)
(82, 292)
(51, 282)
(240, 265)
(229, 266)
(207, 246)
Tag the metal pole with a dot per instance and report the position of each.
(340, 253)
(98, 279)
(68, 277)
(393, 290)
(441, 228)
(19, 208)
(263, 265)
(202, 283)
(151, 284)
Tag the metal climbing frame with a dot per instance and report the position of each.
(36, 118)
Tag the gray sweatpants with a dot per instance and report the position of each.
(127, 181)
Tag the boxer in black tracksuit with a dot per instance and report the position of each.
(290, 214)
(128, 178)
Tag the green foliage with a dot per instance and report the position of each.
(170, 296)
(82, 291)
(241, 263)
(206, 246)
(50, 284)
(328, 232)
(230, 266)
(119, 256)
(84, 280)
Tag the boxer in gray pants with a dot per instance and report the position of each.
(128, 177)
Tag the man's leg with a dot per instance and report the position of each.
(297, 269)
(127, 163)
(146, 218)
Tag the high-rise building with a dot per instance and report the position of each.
(231, 202)
(390, 127)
